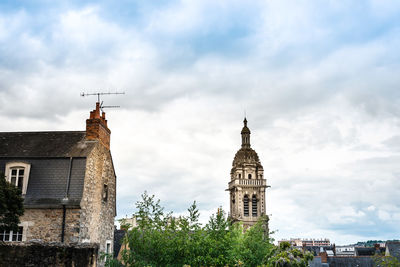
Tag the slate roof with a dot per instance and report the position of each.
(394, 249)
(44, 144)
(118, 236)
(49, 154)
(367, 251)
(342, 262)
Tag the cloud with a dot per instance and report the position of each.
(318, 81)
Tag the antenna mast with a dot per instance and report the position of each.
(103, 93)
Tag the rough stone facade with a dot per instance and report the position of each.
(46, 225)
(98, 200)
(247, 185)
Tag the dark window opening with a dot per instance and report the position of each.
(239, 175)
(105, 192)
(249, 176)
(246, 205)
(254, 206)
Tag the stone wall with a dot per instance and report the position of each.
(97, 215)
(37, 254)
(46, 225)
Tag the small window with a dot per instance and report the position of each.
(108, 249)
(17, 177)
(17, 173)
(9, 236)
(105, 192)
(249, 176)
(239, 176)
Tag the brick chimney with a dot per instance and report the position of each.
(96, 127)
(377, 249)
(324, 257)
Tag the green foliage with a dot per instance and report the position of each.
(385, 261)
(287, 256)
(109, 261)
(257, 248)
(162, 240)
(11, 205)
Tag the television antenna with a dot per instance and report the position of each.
(100, 94)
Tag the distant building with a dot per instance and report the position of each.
(247, 184)
(298, 242)
(343, 251)
(132, 222)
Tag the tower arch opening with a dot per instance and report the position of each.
(246, 205)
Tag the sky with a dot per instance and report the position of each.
(316, 79)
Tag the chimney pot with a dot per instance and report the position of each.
(96, 127)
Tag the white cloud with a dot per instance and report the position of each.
(323, 110)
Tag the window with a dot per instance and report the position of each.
(246, 205)
(17, 173)
(105, 192)
(8, 236)
(239, 175)
(108, 249)
(17, 177)
(249, 176)
(254, 206)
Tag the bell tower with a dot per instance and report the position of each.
(247, 184)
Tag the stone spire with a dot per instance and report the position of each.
(245, 135)
(247, 185)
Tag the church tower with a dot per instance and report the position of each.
(247, 185)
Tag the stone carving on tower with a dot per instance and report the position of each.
(247, 185)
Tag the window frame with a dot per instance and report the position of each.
(10, 233)
(18, 165)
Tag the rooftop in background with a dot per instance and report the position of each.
(307, 242)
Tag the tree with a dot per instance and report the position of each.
(287, 256)
(257, 247)
(11, 205)
(163, 240)
(385, 261)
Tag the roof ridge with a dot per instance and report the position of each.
(45, 132)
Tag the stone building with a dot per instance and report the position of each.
(309, 242)
(247, 185)
(68, 183)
